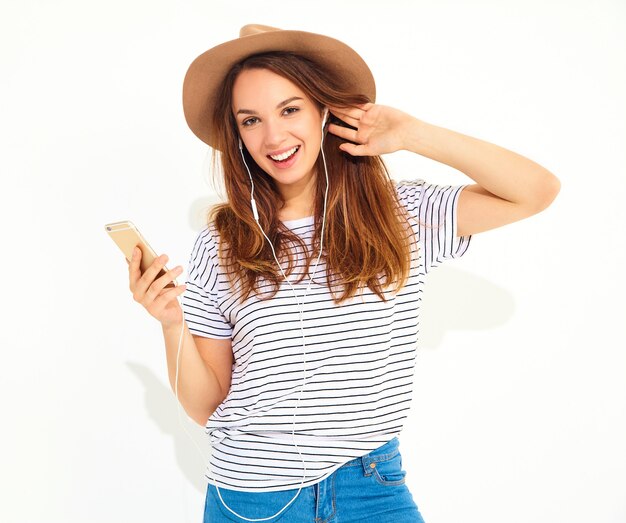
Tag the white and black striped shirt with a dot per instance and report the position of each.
(356, 371)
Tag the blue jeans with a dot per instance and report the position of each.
(369, 488)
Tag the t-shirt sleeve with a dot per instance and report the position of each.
(200, 301)
(434, 208)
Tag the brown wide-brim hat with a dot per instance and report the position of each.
(207, 72)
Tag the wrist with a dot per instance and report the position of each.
(413, 134)
(173, 327)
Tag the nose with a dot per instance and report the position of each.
(274, 133)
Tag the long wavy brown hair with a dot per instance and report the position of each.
(367, 239)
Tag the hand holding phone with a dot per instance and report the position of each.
(153, 285)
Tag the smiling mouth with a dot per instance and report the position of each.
(284, 156)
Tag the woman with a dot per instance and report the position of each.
(301, 306)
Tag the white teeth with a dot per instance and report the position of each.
(285, 155)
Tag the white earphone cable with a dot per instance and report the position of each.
(301, 311)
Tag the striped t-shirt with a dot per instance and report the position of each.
(354, 376)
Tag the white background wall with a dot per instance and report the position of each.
(520, 397)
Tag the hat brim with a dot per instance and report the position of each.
(207, 72)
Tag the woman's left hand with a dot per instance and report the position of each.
(379, 129)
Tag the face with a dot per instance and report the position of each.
(280, 127)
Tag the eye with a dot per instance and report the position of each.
(249, 121)
(290, 110)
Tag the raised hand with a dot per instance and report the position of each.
(379, 129)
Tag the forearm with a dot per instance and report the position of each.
(199, 391)
(504, 173)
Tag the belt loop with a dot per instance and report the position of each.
(367, 461)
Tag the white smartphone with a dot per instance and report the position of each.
(127, 237)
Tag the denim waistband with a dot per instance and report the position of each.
(382, 453)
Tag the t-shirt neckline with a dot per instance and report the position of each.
(292, 224)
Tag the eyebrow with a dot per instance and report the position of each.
(281, 104)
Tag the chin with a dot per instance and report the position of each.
(286, 179)
(289, 177)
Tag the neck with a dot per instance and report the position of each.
(298, 200)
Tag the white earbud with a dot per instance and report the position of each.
(324, 117)
(240, 144)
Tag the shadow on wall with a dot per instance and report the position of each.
(198, 211)
(161, 407)
(454, 300)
